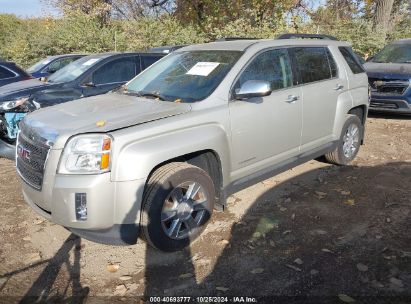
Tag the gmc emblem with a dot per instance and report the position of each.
(23, 153)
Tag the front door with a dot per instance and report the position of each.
(266, 130)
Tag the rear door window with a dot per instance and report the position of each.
(119, 70)
(312, 64)
(273, 66)
(351, 60)
(5, 73)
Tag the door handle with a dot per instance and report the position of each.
(292, 98)
(338, 87)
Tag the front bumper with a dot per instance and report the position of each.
(113, 208)
(390, 105)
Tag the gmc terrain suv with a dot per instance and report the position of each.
(203, 122)
(389, 74)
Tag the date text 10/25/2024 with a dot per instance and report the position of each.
(202, 300)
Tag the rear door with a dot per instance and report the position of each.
(321, 84)
(111, 75)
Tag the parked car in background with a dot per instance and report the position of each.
(51, 64)
(10, 72)
(389, 74)
(88, 76)
(157, 157)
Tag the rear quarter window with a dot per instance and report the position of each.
(352, 62)
(5, 73)
(313, 64)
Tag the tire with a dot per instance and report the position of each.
(343, 155)
(172, 218)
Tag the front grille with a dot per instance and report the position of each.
(31, 161)
(388, 87)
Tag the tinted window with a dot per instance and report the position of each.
(4, 73)
(397, 53)
(312, 64)
(119, 70)
(272, 66)
(146, 61)
(60, 63)
(352, 62)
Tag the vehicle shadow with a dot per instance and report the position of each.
(395, 116)
(42, 290)
(328, 233)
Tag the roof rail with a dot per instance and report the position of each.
(235, 38)
(165, 49)
(306, 36)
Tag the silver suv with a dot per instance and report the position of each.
(157, 157)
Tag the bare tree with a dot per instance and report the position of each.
(383, 9)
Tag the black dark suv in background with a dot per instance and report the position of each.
(88, 76)
(389, 75)
(10, 72)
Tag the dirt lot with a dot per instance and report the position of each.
(316, 233)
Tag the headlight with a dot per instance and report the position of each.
(11, 104)
(86, 154)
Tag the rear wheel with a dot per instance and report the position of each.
(349, 143)
(178, 203)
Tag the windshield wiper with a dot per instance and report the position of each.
(150, 94)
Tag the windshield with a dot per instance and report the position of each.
(39, 65)
(73, 70)
(184, 77)
(395, 53)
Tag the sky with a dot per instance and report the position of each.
(24, 8)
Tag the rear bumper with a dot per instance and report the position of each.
(7, 150)
(390, 105)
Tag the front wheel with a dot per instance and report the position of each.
(177, 204)
(349, 143)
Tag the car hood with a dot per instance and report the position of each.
(102, 113)
(388, 70)
(22, 88)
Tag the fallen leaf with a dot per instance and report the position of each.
(350, 202)
(222, 288)
(362, 267)
(27, 238)
(286, 232)
(326, 250)
(293, 216)
(342, 192)
(293, 267)
(298, 261)
(112, 267)
(388, 220)
(283, 209)
(314, 271)
(186, 275)
(257, 270)
(223, 242)
(396, 282)
(125, 278)
(345, 298)
(272, 244)
(287, 200)
(320, 194)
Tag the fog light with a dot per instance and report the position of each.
(81, 206)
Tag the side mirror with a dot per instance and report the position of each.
(89, 84)
(253, 88)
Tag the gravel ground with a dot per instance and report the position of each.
(316, 233)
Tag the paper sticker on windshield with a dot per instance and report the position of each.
(203, 68)
(91, 61)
